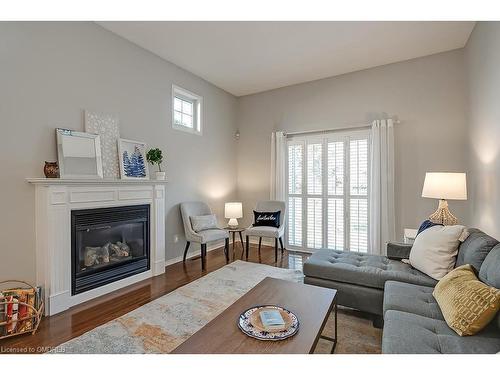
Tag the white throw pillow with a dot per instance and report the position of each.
(435, 249)
(203, 222)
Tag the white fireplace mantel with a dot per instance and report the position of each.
(55, 198)
(97, 181)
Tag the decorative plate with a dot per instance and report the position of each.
(250, 324)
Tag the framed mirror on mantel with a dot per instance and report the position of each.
(79, 154)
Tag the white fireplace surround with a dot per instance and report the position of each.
(55, 199)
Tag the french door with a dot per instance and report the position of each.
(328, 187)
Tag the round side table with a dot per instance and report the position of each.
(238, 230)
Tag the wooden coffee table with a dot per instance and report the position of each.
(311, 304)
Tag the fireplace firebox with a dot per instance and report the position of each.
(108, 244)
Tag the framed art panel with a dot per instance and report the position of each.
(132, 155)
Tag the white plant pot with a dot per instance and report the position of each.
(160, 175)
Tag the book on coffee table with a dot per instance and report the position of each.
(272, 319)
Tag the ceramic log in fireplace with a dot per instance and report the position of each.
(108, 244)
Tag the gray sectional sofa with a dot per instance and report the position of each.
(402, 295)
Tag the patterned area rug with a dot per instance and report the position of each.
(163, 324)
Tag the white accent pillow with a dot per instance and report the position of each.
(435, 249)
(203, 222)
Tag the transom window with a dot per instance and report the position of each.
(328, 185)
(186, 113)
(183, 112)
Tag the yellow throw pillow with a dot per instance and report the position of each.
(467, 304)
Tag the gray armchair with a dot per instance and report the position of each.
(269, 232)
(189, 209)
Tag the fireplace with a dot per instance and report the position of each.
(108, 244)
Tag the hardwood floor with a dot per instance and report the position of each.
(55, 330)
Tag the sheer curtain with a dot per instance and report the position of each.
(278, 157)
(382, 222)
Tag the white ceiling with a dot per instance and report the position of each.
(249, 57)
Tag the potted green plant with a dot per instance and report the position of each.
(154, 156)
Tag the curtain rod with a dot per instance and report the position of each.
(318, 131)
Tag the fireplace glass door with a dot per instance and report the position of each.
(108, 244)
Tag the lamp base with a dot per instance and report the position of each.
(443, 215)
(233, 223)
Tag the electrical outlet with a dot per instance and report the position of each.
(176, 238)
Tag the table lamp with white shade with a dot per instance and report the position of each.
(233, 211)
(444, 186)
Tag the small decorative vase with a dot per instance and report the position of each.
(51, 169)
(160, 175)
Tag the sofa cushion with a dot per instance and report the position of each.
(475, 248)
(434, 251)
(362, 269)
(265, 232)
(210, 235)
(266, 219)
(203, 222)
(354, 296)
(467, 304)
(406, 333)
(489, 272)
(411, 298)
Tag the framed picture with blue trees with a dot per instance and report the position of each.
(133, 164)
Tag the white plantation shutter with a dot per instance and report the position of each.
(314, 168)
(295, 201)
(314, 223)
(335, 225)
(314, 187)
(295, 221)
(295, 160)
(335, 209)
(359, 225)
(358, 161)
(328, 186)
(335, 168)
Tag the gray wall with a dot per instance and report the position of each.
(426, 94)
(482, 54)
(50, 73)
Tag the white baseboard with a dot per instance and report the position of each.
(265, 241)
(215, 246)
(300, 250)
(158, 267)
(195, 253)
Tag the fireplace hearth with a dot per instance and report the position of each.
(108, 244)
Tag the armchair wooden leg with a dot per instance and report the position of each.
(275, 249)
(203, 256)
(247, 246)
(226, 250)
(186, 251)
(260, 243)
(282, 247)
